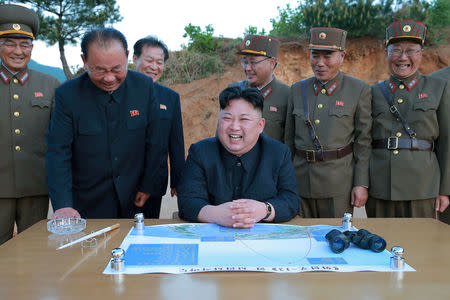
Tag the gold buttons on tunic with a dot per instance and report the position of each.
(400, 100)
(16, 114)
(17, 148)
(398, 134)
(17, 131)
(320, 106)
(323, 91)
(401, 86)
(15, 96)
(15, 80)
(395, 152)
(317, 121)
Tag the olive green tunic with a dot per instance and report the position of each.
(275, 103)
(443, 73)
(340, 112)
(26, 101)
(402, 175)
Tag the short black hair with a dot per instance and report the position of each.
(251, 95)
(150, 41)
(102, 36)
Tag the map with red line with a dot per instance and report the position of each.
(191, 248)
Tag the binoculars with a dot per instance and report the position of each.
(339, 241)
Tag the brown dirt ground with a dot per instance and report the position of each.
(365, 59)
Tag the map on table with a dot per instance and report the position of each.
(190, 248)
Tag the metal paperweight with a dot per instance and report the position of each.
(66, 226)
(347, 221)
(117, 261)
(397, 261)
(139, 221)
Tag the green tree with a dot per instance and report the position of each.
(439, 20)
(201, 41)
(254, 30)
(288, 23)
(63, 22)
(358, 17)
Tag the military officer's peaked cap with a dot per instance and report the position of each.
(18, 21)
(259, 45)
(402, 30)
(330, 39)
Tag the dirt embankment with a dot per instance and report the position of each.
(365, 60)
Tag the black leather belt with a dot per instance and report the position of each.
(393, 143)
(323, 155)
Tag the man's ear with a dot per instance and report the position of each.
(274, 62)
(84, 61)
(262, 124)
(135, 60)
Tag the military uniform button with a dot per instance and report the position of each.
(323, 91)
(16, 114)
(17, 148)
(320, 106)
(401, 86)
(395, 152)
(398, 134)
(15, 80)
(317, 121)
(15, 96)
(17, 131)
(400, 100)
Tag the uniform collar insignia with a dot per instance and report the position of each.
(412, 83)
(316, 87)
(267, 92)
(392, 86)
(407, 83)
(25, 76)
(332, 88)
(5, 77)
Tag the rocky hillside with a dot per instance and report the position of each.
(365, 60)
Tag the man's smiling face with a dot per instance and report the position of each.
(240, 125)
(403, 58)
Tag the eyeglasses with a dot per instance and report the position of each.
(11, 46)
(399, 52)
(99, 71)
(246, 63)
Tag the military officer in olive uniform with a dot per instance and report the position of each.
(410, 162)
(443, 73)
(328, 126)
(26, 100)
(259, 59)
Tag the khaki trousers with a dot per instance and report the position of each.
(379, 208)
(24, 211)
(334, 207)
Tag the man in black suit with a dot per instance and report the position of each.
(103, 138)
(241, 176)
(150, 55)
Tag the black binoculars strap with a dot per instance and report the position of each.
(308, 121)
(393, 109)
